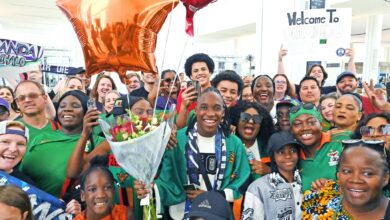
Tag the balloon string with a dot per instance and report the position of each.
(167, 37)
(174, 79)
(163, 59)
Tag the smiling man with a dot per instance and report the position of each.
(198, 67)
(229, 84)
(31, 100)
(319, 155)
(347, 83)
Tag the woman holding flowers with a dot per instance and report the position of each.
(207, 157)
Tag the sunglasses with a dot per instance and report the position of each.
(307, 106)
(376, 145)
(32, 95)
(170, 81)
(369, 131)
(245, 117)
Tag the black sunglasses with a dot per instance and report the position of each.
(247, 117)
(307, 106)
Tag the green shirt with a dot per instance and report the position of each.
(323, 164)
(46, 159)
(173, 174)
(33, 132)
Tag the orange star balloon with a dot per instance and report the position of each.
(118, 35)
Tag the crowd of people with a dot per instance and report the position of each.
(241, 147)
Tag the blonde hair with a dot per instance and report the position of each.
(112, 91)
(64, 87)
(132, 74)
(16, 124)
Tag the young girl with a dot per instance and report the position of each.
(277, 195)
(97, 191)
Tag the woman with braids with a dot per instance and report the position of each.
(254, 128)
(362, 173)
(207, 157)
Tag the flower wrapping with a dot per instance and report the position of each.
(141, 156)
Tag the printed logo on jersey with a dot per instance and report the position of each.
(281, 194)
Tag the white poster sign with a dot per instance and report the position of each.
(319, 34)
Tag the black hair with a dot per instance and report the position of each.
(135, 100)
(167, 71)
(228, 75)
(274, 166)
(266, 126)
(98, 163)
(383, 155)
(366, 119)
(323, 73)
(225, 124)
(13, 105)
(198, 57)
(306, 78)
(258, 77)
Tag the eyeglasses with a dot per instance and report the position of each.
(32, 95)
(369, 131)
(307, 106)
(140, 111)
(245, 117)
(280, 82)
(376, 145)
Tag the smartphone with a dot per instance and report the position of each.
(190, 187)
(197, 87)
(91, 104)
(196, 84)
(388, 91)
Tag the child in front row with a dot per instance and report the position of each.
(277, 195)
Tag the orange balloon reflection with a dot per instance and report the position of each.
(118, 35)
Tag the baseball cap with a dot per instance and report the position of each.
(4, 128)
(210, 205)
(280, 139)
(4, 103)
(307, 108)
(288, 103)
(344, 74)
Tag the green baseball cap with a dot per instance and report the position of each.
(307, 108)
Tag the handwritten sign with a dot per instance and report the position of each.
(19, 54)
(44, 205)
(317, 34)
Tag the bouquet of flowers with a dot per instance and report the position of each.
(138, 145)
